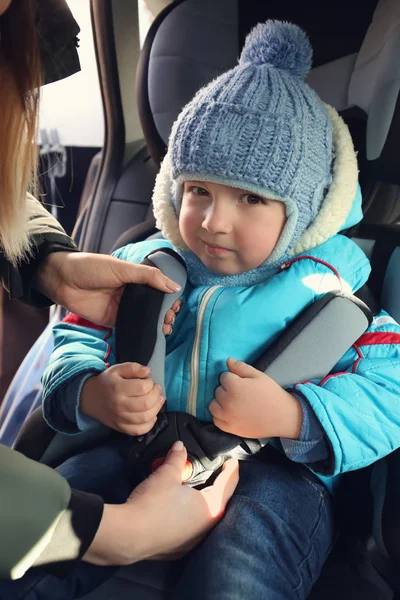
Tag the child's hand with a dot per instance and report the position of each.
(170, 317)
(250, 404)
(123, 397)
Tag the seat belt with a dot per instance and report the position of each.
(312, 344)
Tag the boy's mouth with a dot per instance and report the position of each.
(215, 250)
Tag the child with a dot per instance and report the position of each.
(259, 178)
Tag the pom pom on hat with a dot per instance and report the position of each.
(282, 45)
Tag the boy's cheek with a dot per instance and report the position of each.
(186, 228)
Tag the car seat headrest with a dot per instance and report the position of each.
(189, 44)
(192, 41)
(375, 87)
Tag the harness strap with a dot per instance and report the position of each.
(308, 349)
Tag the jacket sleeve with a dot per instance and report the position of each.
(81, 349)
(47, 236)
(311, 446)
(358, 404)
(42, 521)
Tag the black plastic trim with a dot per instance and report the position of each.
(154, 141)
(387, 239)
(137, 233)
(386, 167)
(114, 138)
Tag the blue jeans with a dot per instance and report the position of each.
(271, 544)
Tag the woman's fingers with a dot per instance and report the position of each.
(218, 495)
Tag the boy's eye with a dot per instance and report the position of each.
(199, 191)
(252, 199)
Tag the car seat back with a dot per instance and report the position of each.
(352, 52)
(180, 55)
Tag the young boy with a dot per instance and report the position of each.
(259, 178)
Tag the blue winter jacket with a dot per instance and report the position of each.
(357, 404)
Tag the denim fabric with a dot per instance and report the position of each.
(271, 544)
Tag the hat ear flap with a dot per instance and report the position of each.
(163, 206)
(338, 202)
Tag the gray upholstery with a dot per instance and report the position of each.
(331, 81)
(317, 347)
(391, 287)
(366, 246)
(375, 83)
(197, 41)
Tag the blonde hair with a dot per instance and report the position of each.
(20, 80)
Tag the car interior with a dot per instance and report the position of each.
(356, 69)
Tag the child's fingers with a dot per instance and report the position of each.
(141, 418)
(223, 426)
(137, 388)
(167, 329)
(216, 409)
(169, 316)
(130, 370)
(228, 379)
(168, 321)
(140, 402)
(176, 306)
(223, 397)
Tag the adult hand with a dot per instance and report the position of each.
(162, 519)
(4, 4)
(91, 285)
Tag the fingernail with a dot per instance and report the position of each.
(162, 399)
(178, 446)
(174, 287)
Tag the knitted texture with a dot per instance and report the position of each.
(259, 126)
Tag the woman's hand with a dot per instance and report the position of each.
(162, 519)
(123, 397)
(91, 285)
(250, 404)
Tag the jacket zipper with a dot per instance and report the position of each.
(194, 362)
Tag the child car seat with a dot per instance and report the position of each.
(355, 70)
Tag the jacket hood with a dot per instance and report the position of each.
(340, 209)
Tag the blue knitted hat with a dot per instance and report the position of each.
(259, 127)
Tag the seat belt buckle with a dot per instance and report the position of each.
(207, 448)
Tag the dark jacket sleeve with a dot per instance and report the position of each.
(42, 521)
(47, 236)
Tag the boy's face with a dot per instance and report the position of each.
(229, 229)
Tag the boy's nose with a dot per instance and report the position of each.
(217, 220)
